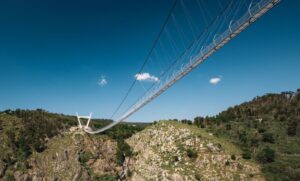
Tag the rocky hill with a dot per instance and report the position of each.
(174, 151)
(74, 156)
(164, 151)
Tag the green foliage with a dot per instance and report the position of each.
(269, 120)
(191, 153)
(233, 157)
(292, 128)
(197, 177)
(268, 137)
(129, 173)
(186, 121)
(85, 156)
(266, 155)
(25, 131)
(123, 131)
(175, 158)
(106, 177)
(9, 177)
(246, 154)
(123, 151)
(199, 121)
(227, 163)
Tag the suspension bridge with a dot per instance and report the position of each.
(191, 33)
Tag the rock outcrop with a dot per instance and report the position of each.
(74, 156)
(175, 151)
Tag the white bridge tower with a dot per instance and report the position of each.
(86, 127)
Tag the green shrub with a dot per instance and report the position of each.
(197, 177)
(9, 177)
(227, 163)
(268, 137)
(85, 156)
(107, 177)
(266, 155)
(233, 157)
(175, 158)
(191, 153)
(292, 128)
(246, 155)
(123, 151)
(129, 173)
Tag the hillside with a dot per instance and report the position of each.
(38, 145)
(256, 140)
(174, 151)
(267, 129)
(23, 132)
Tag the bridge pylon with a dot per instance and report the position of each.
(85, 127)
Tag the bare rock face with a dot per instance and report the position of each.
(174, 151)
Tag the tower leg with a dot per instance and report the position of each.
(89, 120)
(79, 122)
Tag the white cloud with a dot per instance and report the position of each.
(215, 80)
(102, 81)
(146, 77)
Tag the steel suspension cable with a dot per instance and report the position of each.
(147, 58)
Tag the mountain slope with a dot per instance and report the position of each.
(75, 155)
(23, 132)
(175, 151)
(267, 129)
(37, 145)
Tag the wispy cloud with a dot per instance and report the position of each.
(215, 80)
(102, 81)
(146, 77)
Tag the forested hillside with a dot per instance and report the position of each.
(268, 131)
(24, 132)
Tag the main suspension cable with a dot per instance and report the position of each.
(147, 58)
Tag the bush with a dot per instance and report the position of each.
(254, 142)
(227, 163)
(175, 158)
(246, 155)
(233, 157)
(268, 137)
(191, 153)
(228, 127)
(122, 151)
(266, 155)
(129, 173)
(261, 130)
(107, 177)
(198, 177)
(9, 177)
(292, 128)
(85, 156)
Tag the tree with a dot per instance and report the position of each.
(199, 121)
(246, 154)
(186, 121)
(266, 155)
(228, 127)
(268, 137)
(122, 151)
(292, 128)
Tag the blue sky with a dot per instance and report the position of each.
(53, 54)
